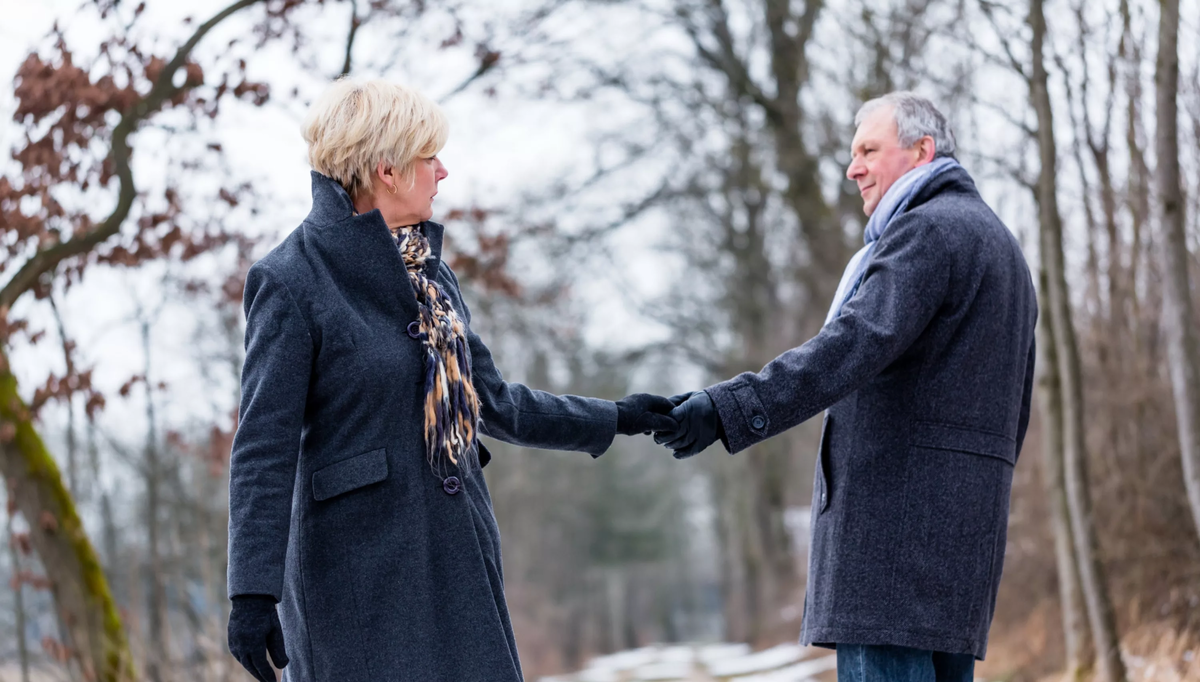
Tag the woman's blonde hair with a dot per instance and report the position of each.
(356, 124)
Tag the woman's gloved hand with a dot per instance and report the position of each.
(254, 630)
(643, 413)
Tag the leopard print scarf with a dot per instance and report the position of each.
(451, 404)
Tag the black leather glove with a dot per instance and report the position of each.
(253, 631)
(643, 413)
(699, 426)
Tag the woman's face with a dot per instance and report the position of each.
(412, 201)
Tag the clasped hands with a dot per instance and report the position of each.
(686, 423)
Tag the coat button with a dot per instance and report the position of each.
(822, 499)
(758, 422)
(452, 485)
(414, 329)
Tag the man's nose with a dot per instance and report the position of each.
(854, 170)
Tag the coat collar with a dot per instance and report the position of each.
(332, 204)
(953, 181)
(358, 250)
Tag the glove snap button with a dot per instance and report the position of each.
(414, 329)
(758, 422)
(452, 485)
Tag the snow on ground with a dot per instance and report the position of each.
(706, 663)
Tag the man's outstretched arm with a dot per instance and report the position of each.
(906, 282)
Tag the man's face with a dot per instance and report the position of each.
(877, 159)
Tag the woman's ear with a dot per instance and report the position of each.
(387, 175)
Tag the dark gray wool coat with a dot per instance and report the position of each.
(926, 375)
(385, 571)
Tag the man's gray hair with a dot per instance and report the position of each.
(915, 118)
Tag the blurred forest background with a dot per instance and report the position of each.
(644, 195)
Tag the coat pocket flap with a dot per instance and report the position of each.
(349, 474)
(964, 439)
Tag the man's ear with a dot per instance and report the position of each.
(926, 150)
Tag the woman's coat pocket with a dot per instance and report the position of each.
(349, 474)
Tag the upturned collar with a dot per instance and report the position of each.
(332, 205)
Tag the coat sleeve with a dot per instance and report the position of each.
(266, 448)
(905, 283)
(517, 414)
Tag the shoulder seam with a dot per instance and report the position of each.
(291, 297)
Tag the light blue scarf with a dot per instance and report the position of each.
(894, 202)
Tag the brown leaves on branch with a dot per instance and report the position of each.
(56, 650)
(20, 541)
(62, 388)
(37, 582)
(79, 123)
(485, 263)
(213, 451)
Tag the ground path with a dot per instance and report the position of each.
(709, 663)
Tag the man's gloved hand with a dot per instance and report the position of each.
(253, 631)
(699, 425)
(643, 413)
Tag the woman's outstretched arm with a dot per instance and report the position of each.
(517, 414)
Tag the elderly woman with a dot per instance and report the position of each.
(356, 500)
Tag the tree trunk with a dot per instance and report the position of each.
(1179, 320)
(1080, 651)
(158, 641)
(72, 463)
(79, 586)
(1095, 591)
(740, 554)
(789, 33)
(1139, 172)
(18, 603)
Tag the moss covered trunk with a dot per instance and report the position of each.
(94, 634)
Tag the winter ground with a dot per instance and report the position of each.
(709, 662)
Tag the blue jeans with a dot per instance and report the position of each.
(884, 663)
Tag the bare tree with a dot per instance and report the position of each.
(158, 658)
(1079, 647)
(18, 586)
(1066, 349)
(1179, 315)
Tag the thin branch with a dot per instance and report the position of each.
(988, 7)
(355, 22)
(727, 60)
(487, 61)
(1017, 174)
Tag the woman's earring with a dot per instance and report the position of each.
(391, 189)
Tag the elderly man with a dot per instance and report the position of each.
(925, 365)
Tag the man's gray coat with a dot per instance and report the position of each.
(926, 375)
(385, 571)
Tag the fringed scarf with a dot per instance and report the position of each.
(451, 404)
